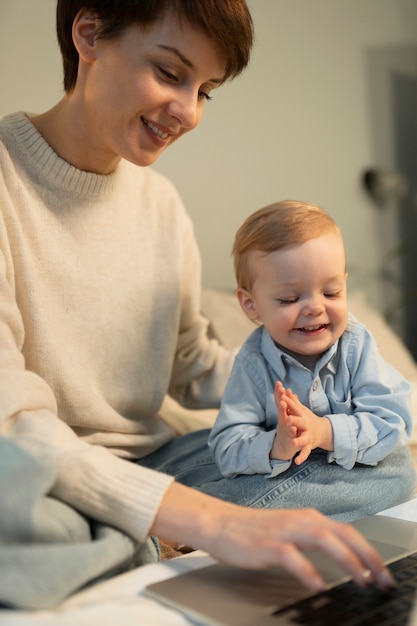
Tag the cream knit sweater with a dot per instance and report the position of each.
(99, 318)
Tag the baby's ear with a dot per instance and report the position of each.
(247, 303)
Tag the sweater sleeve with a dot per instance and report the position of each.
(202, 365)
(89, 478)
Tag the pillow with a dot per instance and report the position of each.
(390, 345)
(228, 324)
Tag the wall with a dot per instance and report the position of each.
(30, 62)
(297, 124)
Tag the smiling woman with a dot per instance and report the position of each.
(146, 87)
(100, 301)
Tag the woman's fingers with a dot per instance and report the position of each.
(350, 550)
(366, 554)
(301, 567)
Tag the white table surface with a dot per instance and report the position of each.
(121, 601)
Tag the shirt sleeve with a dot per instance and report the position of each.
(379, 418)
(244, 432)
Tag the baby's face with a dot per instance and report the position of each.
(299, 294)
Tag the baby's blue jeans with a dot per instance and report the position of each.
(344, 495)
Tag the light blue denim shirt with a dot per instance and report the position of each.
(365, 398)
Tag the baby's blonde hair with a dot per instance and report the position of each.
(274, 227)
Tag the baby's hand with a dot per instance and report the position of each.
(313, 431)
(283, 448)
(298, 426)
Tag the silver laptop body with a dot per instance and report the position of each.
(221, 595)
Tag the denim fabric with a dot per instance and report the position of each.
(344, 495)
(365, 398)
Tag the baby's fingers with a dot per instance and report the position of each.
(303, 454)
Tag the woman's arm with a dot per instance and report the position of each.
(257, 539)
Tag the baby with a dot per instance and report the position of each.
(310, 379)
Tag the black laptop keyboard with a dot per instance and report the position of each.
(349, 605)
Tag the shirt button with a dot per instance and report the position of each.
(315, 385)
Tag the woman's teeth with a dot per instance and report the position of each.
(156, 130)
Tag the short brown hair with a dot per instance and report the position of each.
(274, 227)
(228, 23)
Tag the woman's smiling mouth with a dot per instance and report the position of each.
(155, 129)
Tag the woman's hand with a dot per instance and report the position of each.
(259, 538)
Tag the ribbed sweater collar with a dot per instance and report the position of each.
(43, 160)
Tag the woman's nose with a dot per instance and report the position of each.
(186, 110)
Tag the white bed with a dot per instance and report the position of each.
(120, 600)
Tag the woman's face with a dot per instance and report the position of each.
(143, 91)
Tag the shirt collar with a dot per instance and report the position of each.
(280, 360)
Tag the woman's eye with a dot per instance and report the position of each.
(167, 74)
(203, 95)
(172, 78)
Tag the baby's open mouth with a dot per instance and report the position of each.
(312, 329)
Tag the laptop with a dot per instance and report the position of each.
(222, 595)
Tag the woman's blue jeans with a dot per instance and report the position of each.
(344, 495)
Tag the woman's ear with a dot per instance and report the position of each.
(247, 303)
(83, 34)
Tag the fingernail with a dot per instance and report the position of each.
(318, 583)
(386, 580)
(366, 577)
